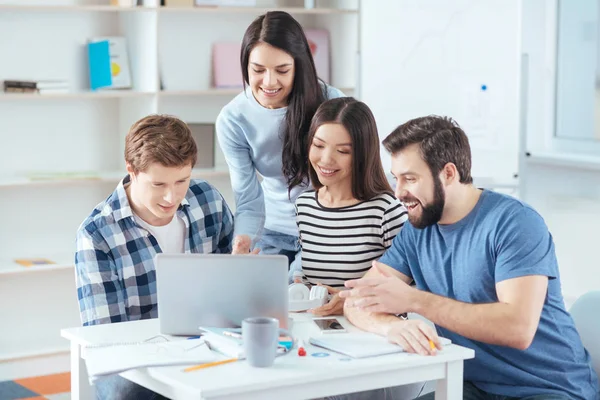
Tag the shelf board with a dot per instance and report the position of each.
(256, 10)
(216, 92)
(199, 9)
(9, 267)
(106, 177)
(70, 8)
(119, 94)
(201, 92)
(103, 94)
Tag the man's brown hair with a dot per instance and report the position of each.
(441, 141)
(162, 139)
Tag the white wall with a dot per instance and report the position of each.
(567, 197)
(432, 57)
(569, 200)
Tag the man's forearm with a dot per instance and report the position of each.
(493, 323)
(378, 323)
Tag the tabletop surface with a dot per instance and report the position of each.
(317, 366)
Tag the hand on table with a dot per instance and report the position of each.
(415, 336)
(335, 306)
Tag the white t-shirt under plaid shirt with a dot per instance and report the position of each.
(340, 243)
(114, 263)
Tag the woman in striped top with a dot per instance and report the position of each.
(351, 216)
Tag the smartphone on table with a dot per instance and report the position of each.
(329, 325)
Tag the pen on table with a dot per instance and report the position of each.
(210, 364)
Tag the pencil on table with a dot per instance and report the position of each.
(210, 364)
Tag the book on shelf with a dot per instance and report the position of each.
(179, 3)
(123, 3)
(318, 41)
(227, 3)
(108, 63)
(38, 91)
(31, 262)
(204, 136)
(227, 73)
(35, 86)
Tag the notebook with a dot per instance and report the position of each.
(226, 345)
(360, 344)
(228, 341)
(113, 359)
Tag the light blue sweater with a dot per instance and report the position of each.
(250, 138)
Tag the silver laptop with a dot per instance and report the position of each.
(219, 290)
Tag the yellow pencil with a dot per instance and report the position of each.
(432, 345)
(210, 364)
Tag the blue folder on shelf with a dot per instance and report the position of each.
(99, 64)
(109, 63)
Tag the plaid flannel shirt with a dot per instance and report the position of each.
(114, 262)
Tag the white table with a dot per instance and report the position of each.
(292, 377)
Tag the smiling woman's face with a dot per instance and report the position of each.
(330, 155)
(270, 75)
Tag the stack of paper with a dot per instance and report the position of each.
(108, 360)
(228, 341)
(230, 345)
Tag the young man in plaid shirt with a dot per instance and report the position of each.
(156, 208)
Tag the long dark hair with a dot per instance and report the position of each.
(368, 178)
(281, 30)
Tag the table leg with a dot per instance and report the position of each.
(80, 386)
(451, 387)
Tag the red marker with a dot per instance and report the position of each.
(301, 351)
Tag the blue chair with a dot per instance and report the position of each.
(585, 315)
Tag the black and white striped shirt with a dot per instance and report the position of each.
(340, 243)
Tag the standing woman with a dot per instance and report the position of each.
(265, 129)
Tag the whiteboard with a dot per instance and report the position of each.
(460, 59)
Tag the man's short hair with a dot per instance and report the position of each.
(162, 139)
(441, 141)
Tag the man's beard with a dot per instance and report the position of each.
(430, 213)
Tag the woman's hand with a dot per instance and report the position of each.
(335, 305)
(241, 245)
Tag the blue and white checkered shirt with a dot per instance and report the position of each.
(114, 262)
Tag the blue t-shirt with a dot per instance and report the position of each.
(501, 238)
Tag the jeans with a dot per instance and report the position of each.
(272, 242)
(405, 392)
(115, 387)
(472, 392)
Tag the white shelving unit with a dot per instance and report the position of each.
(79, 135)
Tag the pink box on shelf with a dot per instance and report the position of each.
(227, 72)
(318, 40)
